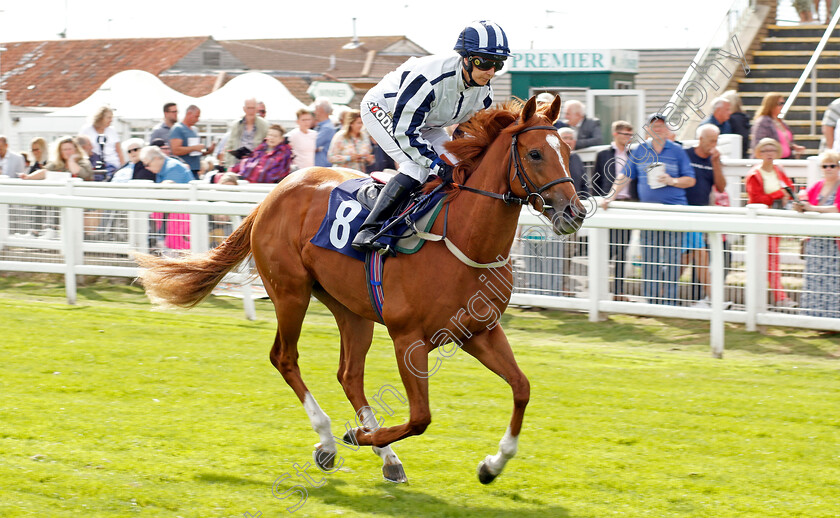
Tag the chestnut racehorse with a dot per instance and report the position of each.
(508, 156)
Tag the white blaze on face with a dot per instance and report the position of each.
(554, 142)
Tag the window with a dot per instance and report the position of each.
(212, 58)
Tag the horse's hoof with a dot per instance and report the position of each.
(484, 475)
(350, 437)
(394, 473)
(324, 459)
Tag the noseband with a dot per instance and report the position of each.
(520, 174)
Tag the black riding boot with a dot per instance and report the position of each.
(394, 192)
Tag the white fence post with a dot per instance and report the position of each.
(69, 233)
(755, 265)
(716, 326)
(245, 287)
(599, 256)
(199, 233)
(199, 225)
(247, 294)
(4, 224)
(138, 231)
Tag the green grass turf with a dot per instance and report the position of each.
(110, 409)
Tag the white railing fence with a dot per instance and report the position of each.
(581, 272)
(91, 228)
(84, 228)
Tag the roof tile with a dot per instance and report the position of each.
(61, 73)
(316, 55)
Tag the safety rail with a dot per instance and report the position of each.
(754, 222)
(580, 263)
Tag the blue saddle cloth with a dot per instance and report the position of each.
(345, 216)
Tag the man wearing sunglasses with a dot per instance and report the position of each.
(408, 111)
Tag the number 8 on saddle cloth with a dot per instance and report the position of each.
(350, 204)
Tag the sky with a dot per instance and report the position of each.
(432, 24)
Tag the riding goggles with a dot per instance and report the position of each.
(487, 63)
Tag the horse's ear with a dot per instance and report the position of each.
(529, 109)
(554, 110)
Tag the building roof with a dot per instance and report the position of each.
(60, 73)
(298, 87)
(195, 85)
(63, 73)
(373, 57)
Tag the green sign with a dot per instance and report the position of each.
(534, 60)
(336, 92)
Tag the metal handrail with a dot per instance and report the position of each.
(805, 73)
(732, 23)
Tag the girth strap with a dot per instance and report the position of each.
(374, 265)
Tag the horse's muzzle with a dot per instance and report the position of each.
(566, 216)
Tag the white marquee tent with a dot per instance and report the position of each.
(132, 94)
(137, 98)
(226, 102)
(136, 95)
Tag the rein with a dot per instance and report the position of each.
(515, 160)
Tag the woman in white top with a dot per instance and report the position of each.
(132, 148)
(101, 131)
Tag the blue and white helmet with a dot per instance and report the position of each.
(483, 37)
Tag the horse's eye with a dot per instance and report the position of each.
(534, 155)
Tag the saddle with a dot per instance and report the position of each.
(349, 205)
(367, 194)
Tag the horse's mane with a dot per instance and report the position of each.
(473, 137)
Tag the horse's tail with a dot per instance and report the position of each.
(187, 280)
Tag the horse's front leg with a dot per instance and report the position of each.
(493, 350)
(412, 360)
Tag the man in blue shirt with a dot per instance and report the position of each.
(170, 117)
(163, 167)
(326, 130)
(721, 111)
(708, 172)
(663, 173)
(184, 141)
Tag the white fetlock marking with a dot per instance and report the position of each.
(369, 420)
(385, 453)
(507, 449)
(320, 423)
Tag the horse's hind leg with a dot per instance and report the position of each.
(356, 335)
(493, 350)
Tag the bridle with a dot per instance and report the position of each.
(525, 182)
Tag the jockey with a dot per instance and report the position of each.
(406, 114)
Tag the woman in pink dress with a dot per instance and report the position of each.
(767, 124)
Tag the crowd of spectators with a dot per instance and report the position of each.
(253, 148)
(663, 171)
